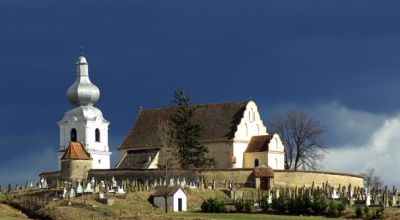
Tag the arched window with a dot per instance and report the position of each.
(74, 135)
(256, 163)
(251, 115)
(97, 135)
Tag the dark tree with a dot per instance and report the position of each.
(187, 133)
(302, 137)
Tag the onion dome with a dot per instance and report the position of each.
(83, 92)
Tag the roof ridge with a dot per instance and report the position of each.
(196, 105)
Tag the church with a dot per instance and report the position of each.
(233, 133)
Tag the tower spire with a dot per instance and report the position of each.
(83, 92)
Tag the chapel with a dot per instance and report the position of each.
(234, 134)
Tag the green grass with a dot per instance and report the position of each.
(233, 216)
(8, 213)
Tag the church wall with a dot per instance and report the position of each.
(250, 125)
(221, 152)
(249, 159)
(238, 153)
(276, 160)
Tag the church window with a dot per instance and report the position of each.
(276, 163)
(74, 135)
(99, 161)
(256, 163)
(97, 135)
(251, 115)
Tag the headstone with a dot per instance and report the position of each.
(367, 198)
(88, 188)
(101, 195)
(72, 193)
(92, 182)
(114, 182)
(110, 201)
(395, 197)
(79, 189)
(386, 197)
(334, 194)
(120, 190)
(64, 193)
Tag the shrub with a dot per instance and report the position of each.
(279, 204)
(333, 209)
(292, 206)
(264, 203)
(247, 207)
(366, 211)
(340, 207)
(359, 212)
(379, 213)
(213, 205)
(319, 206)
(239, 205)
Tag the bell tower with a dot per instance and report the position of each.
(84, 123)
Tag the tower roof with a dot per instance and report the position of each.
(75, 151)
(83, 92)
(259, 143)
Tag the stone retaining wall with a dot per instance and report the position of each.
(300, 178)
(238, 177)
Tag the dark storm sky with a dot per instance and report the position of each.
(305, 54)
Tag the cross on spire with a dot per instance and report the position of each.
(81, 51)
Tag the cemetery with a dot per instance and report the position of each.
(112, 198)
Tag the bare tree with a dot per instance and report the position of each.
(302, 137)
(168, 159)
(371, 179)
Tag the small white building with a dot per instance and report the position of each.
(176, 201)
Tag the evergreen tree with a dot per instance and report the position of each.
(187, 133)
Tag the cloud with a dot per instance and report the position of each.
(357, 140)
(379, 150)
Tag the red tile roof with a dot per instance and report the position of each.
(264, 171)
(75, 151)
(259, 143)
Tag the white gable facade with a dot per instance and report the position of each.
(250, 125)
